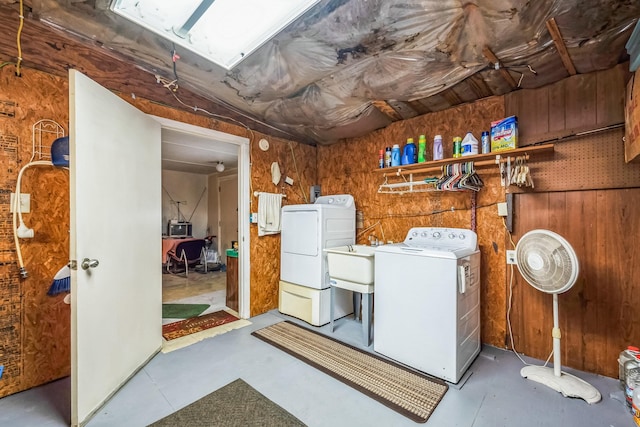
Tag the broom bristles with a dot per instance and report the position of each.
(61, 282)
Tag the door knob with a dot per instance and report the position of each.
(89, 263)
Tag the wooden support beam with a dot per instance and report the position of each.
(418, 106)
(552, 26)
(387, 109)
(451, 97)
(403, 109)
(479, 87)
(488, 53)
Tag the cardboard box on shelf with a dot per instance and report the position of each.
(504, 134)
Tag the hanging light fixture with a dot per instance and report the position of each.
(220, 167)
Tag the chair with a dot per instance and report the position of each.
(187, 253)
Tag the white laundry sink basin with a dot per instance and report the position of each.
(354, 263)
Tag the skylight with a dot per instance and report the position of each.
(222, 31)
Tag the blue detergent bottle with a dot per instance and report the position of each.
(395, 155)
(409, 155)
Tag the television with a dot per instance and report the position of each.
(179, 229)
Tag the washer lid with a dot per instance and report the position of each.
(425, 251)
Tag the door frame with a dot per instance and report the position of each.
(222, 179)
(243, 200)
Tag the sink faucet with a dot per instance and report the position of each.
(373, 240)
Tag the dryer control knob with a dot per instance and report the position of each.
(462, 236)
(424, 234)
(452, 236)
(436, 235)
(414, 234)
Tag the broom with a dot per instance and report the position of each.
(61, 281)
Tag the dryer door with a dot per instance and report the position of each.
(300, 253)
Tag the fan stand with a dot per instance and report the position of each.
(567, 384)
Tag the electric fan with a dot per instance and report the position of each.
(548, 263)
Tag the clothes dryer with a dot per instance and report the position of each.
(308, 229)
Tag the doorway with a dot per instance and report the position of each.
(235, 179)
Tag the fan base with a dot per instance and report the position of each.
(567, 384)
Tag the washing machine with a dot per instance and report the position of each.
(304, 290)
(427, 301)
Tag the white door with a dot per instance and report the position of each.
(115, 211)
(228, 206)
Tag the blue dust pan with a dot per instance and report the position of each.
(60, 152)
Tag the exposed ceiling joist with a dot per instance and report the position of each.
(479, 86)
(488, 53)
(452, 97)
(387, 109)
(552, 26)
(403, 109)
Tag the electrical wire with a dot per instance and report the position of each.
(295, 166)
(423, 214)
(19, 60)
(17, 214)
(510, 304)
(174, 59)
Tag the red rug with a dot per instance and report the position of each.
(174, 330)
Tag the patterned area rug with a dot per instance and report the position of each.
(235, 405)
(410, 393)
(179, 329)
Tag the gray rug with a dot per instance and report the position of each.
(235, 405)
(411, 393)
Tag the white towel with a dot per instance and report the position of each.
(269, 205)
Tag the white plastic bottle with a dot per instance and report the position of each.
(469, 145)
(437, 147)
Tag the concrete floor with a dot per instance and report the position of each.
(494, 395)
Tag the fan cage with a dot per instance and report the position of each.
(547, 261)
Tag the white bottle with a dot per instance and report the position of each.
(437, 147)
(469, 145)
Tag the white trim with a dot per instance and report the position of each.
(244, 170)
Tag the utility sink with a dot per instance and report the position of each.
(353, 263)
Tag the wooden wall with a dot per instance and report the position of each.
(600, 221)
(349, 167)
(297, 161)
(34, 327)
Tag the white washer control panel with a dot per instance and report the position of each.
(443, 238)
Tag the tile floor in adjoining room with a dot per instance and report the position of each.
(195, 288)
(494, 395)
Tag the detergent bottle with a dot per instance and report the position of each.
(395, 155)
(469, 145)
(437, 147)
(409, 155)
(422, 148)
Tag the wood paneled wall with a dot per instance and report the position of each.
(579, 103)
(600, 222)
(597, 315)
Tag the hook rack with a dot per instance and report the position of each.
(447, 171)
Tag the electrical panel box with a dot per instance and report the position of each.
(314, 193)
